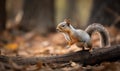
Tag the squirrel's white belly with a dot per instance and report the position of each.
(83, 36)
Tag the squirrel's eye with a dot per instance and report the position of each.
(63, 25)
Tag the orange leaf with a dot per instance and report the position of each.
(11, 46)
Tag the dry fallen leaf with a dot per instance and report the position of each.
(11, 46)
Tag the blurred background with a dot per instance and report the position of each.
(43, 16)
(21, 21)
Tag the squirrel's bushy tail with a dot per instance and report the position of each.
(102, 31)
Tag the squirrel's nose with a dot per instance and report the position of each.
(57, 30)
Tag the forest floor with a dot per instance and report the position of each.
(33, 45)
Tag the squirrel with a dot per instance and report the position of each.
(82, 38)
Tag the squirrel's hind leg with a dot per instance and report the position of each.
(89, 46)
(81, 45)
(84, 45)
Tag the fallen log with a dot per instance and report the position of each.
(97, 56)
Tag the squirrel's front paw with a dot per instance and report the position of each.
(67, 46)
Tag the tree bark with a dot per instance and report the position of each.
(83, 57)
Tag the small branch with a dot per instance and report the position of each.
(83, 57)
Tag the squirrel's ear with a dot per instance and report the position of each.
(67, 21)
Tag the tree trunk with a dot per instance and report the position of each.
(2, 14)
(105, 12)
(38, 16)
